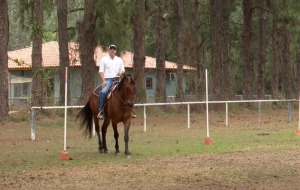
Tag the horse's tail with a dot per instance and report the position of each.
(86, 116)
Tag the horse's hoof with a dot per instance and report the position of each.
(101, 150)
(106, 152)
(118, 153)
(128, 156)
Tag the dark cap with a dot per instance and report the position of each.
(112, 46)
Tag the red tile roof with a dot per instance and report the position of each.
(150, 62)
(21, 59)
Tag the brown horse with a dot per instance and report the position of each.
(117, 109)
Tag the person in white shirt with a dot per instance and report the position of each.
(111, 68)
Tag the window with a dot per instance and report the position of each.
(148, 83)
(21, 89)
(17, 90)
(50, 88)
(25, 89)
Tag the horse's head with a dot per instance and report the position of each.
(127, 89)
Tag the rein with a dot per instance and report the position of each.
(123, 107)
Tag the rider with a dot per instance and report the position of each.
(110, 68)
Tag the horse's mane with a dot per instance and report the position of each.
(122, 79)
(121, 82)
(131, 80)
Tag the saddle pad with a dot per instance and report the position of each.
(112, 88)
(97, 90)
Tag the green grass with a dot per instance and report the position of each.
(19, 154)
(58, 123)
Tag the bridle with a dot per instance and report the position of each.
(125, 107)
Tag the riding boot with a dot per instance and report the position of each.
(133, 115)
(100, 115)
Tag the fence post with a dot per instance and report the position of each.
(259, 112)
(145, 127)
(226, 114)
(189, 118)
(32, 125)
(289, 111)
(207, 139)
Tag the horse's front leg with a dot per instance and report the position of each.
(126, 137)
(116, 135)
(104, 130)
(97, 129)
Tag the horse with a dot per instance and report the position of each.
(117, 108)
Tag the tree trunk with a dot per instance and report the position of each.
(213, 42)
(180, 51)
(4, 34)
(262, 55)
(226, 77)
(86, 48)
(201, 72)
(199, 55)
(247, 51)
(63, 38)
(38, 89)
(220, 50)
(160, 93)
(275, 47)
(275, 75)
(138, 20)
(20, 31)
(287, 80)
(298, 67)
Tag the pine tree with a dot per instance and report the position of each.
(38, 90)
(160, 92)
(86, 47)
(247, 50)
(62, 16)
(4, 28)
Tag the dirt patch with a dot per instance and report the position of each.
(234, 170)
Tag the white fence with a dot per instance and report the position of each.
(160, 104)
(174, 103)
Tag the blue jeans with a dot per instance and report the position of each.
(104, 92)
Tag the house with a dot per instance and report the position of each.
(20, 73)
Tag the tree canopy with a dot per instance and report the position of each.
(216, 35)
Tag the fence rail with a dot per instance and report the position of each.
(173, 103)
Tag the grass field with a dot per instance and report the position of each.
(166, 137)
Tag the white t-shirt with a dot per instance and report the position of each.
(110, 67)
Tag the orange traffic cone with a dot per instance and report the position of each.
(64, 155)
(207, 141)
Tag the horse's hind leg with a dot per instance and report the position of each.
(116, 135)
(97, 129)
(104, 130)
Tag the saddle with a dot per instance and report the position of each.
(98, 89)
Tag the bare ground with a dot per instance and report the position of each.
(239, 170)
